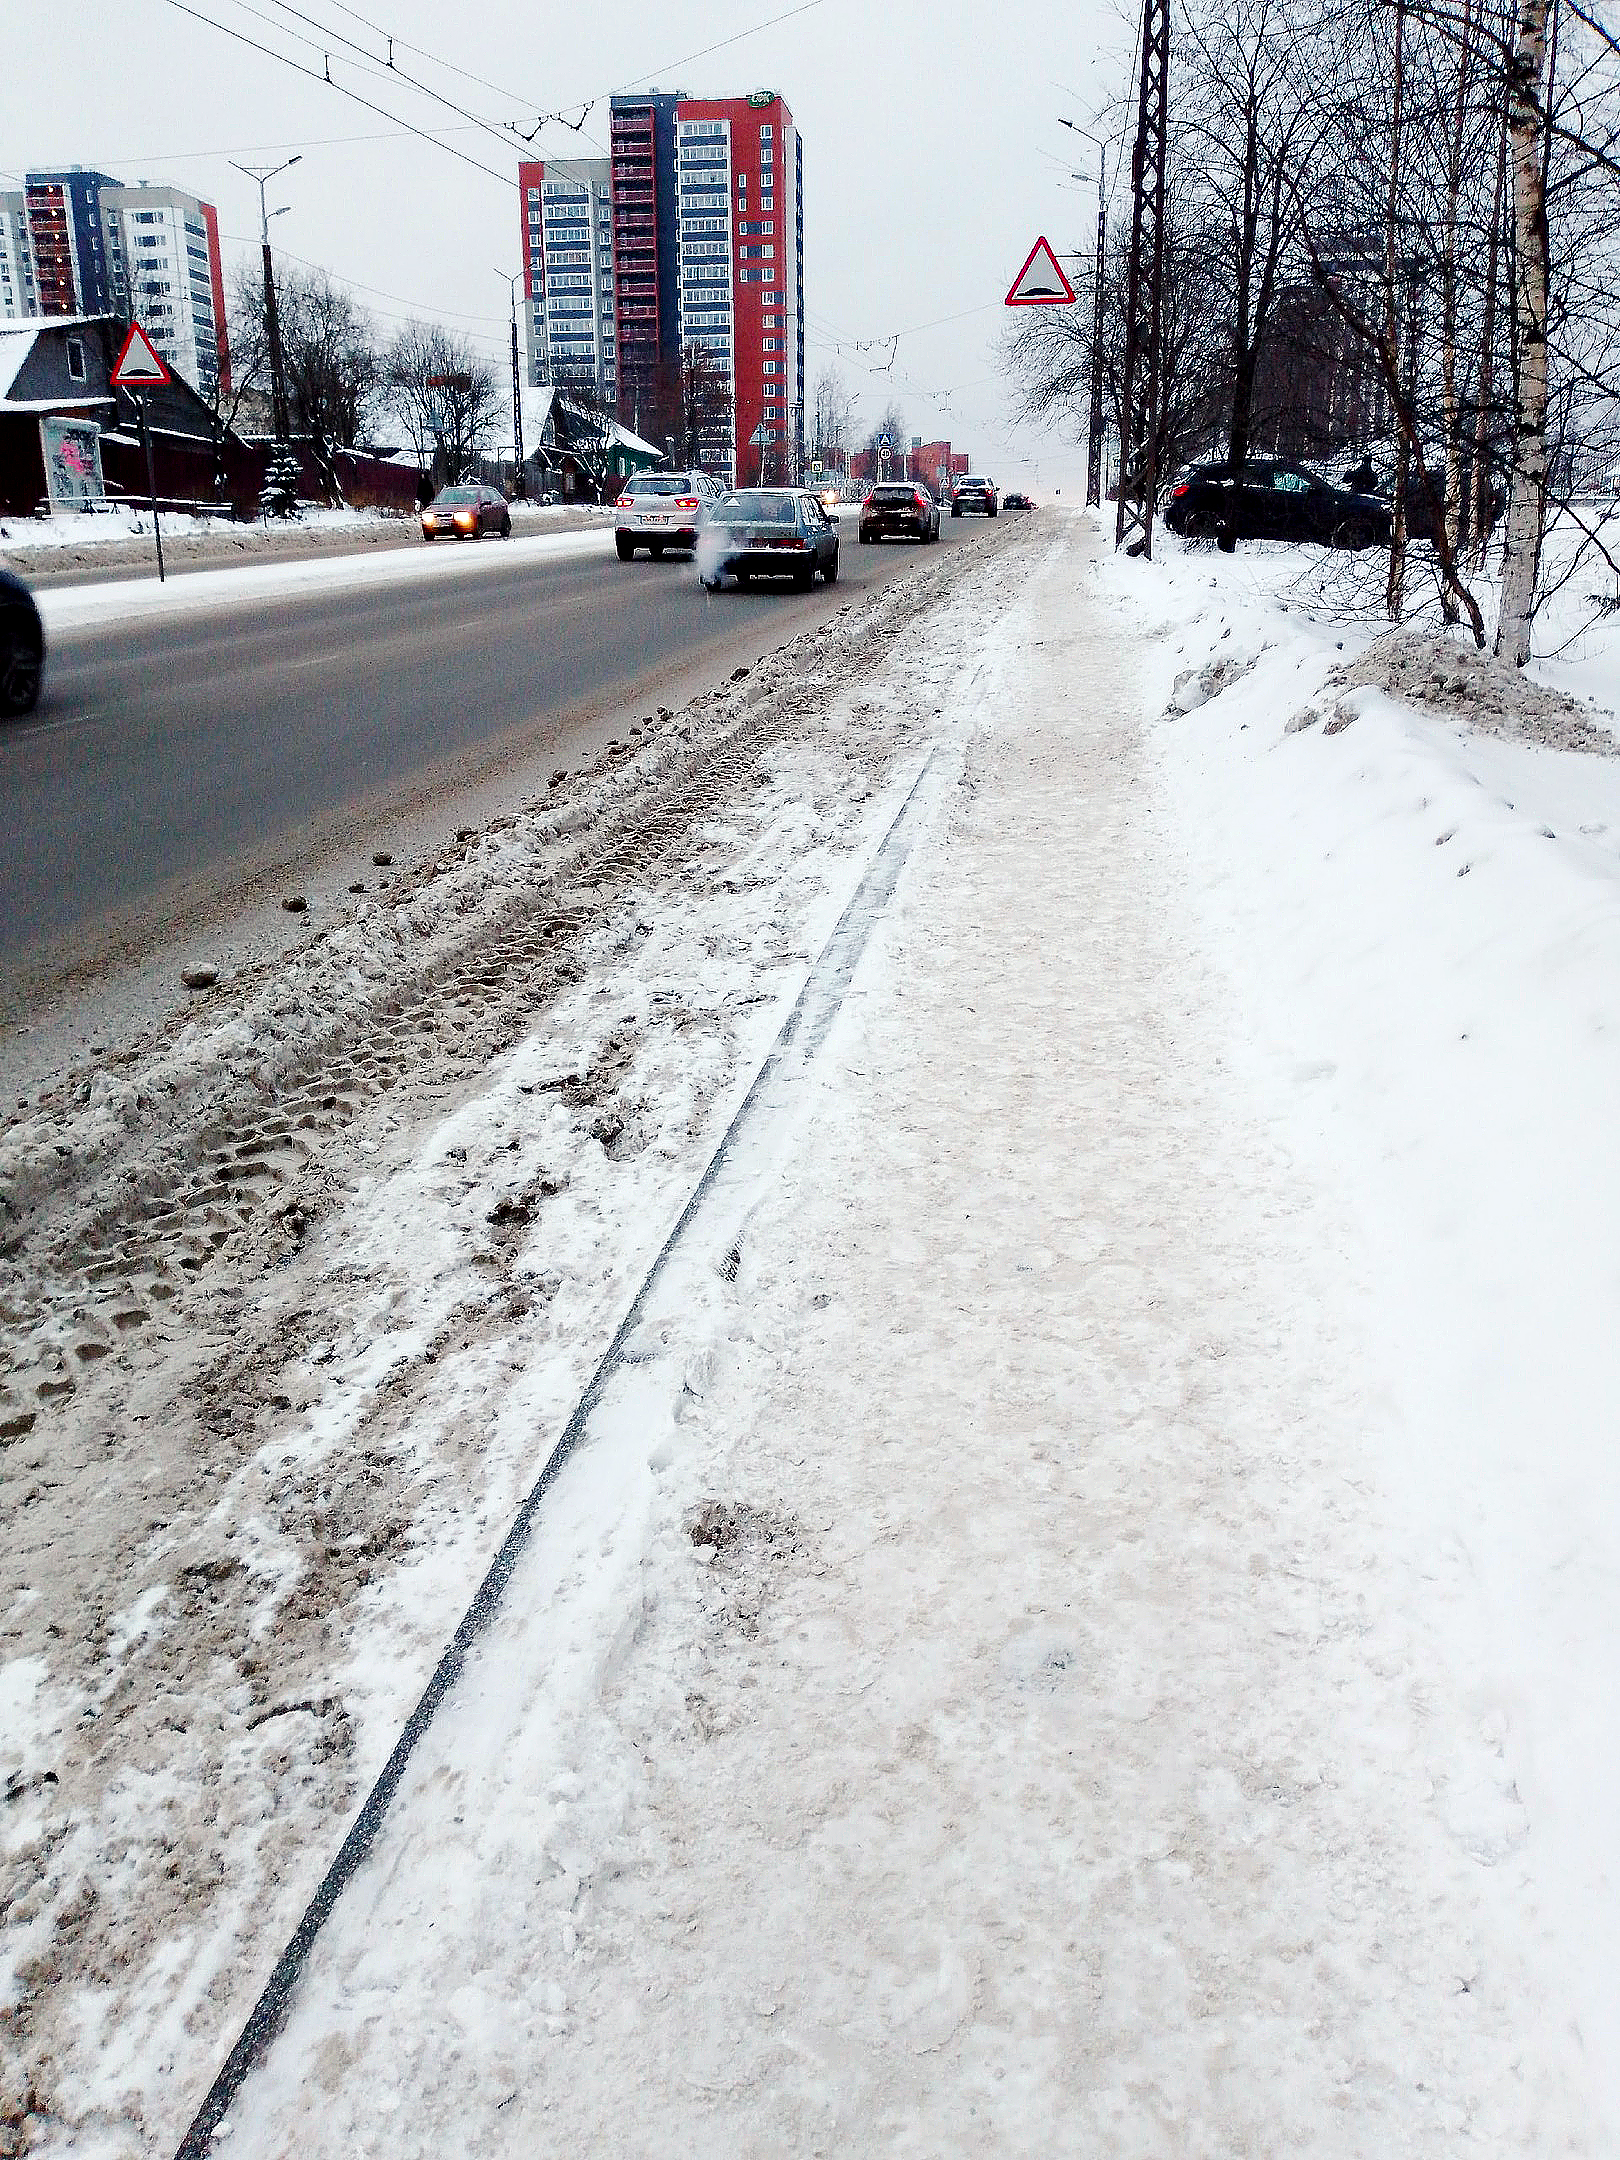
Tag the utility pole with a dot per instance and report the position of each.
(519, 483)
(1144, 306)
(262, 175)
(1094, 451)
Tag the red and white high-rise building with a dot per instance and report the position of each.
(704, 254)
(740, 192)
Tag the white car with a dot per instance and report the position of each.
(661, 510)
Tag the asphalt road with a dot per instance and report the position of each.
(174, 760)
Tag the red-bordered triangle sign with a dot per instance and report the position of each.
(139, 367)
(1041, 282)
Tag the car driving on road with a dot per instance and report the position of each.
(1017, 500)
(22, 648)
(467, 511)
(1270, 499)
(768, 532)
(659, 510)
(974, 492)
(904, 507)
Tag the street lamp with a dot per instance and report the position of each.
(519, 484)
(262, 175)
(1094, 451)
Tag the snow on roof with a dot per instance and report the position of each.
(15, 346)
(617, 434)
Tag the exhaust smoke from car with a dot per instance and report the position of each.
(708, 554)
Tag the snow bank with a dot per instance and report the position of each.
(125, 599)
(1422, 922)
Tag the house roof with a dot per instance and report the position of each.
(626, 440)
(16, 343)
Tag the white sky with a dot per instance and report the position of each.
(933, 155)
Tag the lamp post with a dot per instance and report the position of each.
(519, 484)
(1094, 451)
(262, 175)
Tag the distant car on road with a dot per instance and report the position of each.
(829, 495)
(467, 512)
(899, 506)
(659, 510)
(1269, 499)
(768, 532)
(1016, 501)
(974, 492)
(22, 648)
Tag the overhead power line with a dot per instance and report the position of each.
(343, 90)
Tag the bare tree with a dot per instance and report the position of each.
(833, 419)
(329, 352)
(706, 413)
(445, 395)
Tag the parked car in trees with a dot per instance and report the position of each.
(1268, 499)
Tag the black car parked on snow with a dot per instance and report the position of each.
(22, 648)
(1267, 499)
(768, 532)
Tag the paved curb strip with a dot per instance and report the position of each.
(813, 1012)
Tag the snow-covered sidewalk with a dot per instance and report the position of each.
(990, 1681)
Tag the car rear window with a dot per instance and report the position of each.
(761, 506)
(973, 480)
(661, 484)
(893, 493)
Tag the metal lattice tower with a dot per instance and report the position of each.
(1144, 304)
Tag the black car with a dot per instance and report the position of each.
(1267, 499)
(904, 507)
(1017, 500)
(768, 532)
(22, 648)
(974, 492)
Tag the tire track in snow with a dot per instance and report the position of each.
(790, 1057)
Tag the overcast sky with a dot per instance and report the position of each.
(933, 155)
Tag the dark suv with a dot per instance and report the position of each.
(974, 492)
(899, 506)
(1267, 499)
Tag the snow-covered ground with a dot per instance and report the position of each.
(119, 599)
(1080, 1619)
(107, 528)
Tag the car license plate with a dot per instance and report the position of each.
(658, 517)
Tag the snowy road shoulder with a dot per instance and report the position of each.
(144, 600)
(982, 1687)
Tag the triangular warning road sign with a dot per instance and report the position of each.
(1041, 282)
(139, 367)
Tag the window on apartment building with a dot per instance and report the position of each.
(75, 358)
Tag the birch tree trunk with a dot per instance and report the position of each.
(1395, 586)
(1527, 494)
(1455, 150)
(1484, 515)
